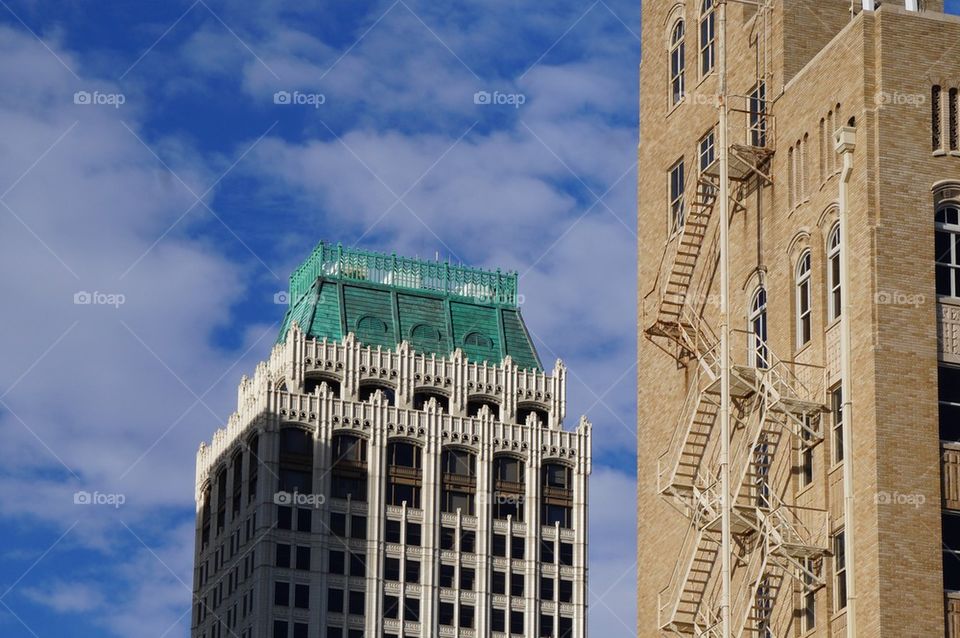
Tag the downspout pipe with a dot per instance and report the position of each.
(845, 140)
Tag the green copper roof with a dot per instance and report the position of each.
(385, 299)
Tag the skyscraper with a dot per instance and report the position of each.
(398, 467)
(799, 195)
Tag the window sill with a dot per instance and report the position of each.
(806, 488)
(673, 109)
(835, 467)
(940, 153)
(832, 323)
(799, 351)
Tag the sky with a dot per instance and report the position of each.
(165, 165)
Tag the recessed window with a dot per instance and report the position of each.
(758, 115)
(676, 196)
(834, 304)
(708, 37)
(759, 355)
(478, 340)
(839, 571)
(804, 310)
(371, 326)
(836, 410)
(677, 63)
(707, 151)
(948, 250)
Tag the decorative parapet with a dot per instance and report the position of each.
(273, 391)
(948, 330)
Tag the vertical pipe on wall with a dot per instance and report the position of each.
(845, 139)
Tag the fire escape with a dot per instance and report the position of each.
(770, 413)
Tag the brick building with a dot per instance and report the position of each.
(834, 507)
(398, 467)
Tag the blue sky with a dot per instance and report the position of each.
(144, 158)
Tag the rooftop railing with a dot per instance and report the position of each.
(335, 261)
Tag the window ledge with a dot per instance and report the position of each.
(835, 322)
(940, 153)
(673, 109)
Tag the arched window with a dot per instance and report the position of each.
(677, 63)
(404, 474)
(759, 356)
(479, 340)
(370, 326)
(296, 460)
(834, 299)
(508, 488)
(708, 37)
(557, 485)
(349, 467)
(948, 250)
(425, 335)
(804, 312)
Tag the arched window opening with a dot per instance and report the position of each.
(474, 405)
(804, 310)
(237, 464)
(834, 305)
(349, 474)
(523, 411)
(296, 460)
(221, 500)
(759, 355)
(421, 397)
(312, 382)
(253, 466)
(404, 474)
(478, 340)
(370, 325)
(205, 517)
(677, 63)
(509, 491)
(368, 388)
(708, 37)
(948, 250)
(459, 473)
(426, 337)
(557, 480)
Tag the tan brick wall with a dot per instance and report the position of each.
(895, 55)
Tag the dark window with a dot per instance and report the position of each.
(516, 584)
(546, 551)
(448, 538)
(516, 622)
(280, 629)
(498, 582)
(337, 564)
(357, 599)
(412, 574)
(546, 626)
(518, 547)
(566, 627)
(413, 534)
(499, 545)
(951, 551)
(391, 607)
(367, 390)
(310, 385)
(467, 541)
(338, 524)
(498, 619)
(304, 520)
(391, 569)
(301, 630)
(565, 591)
(358, 565)
(334, 632)
(546, 588)
(281, 594)
(301, 596)
(393, 531)
(284, 517)
(447, 575)
(335, 600)
(466, 616)
(421, 398)
(446, 614)
(411, 609)
(358, 527)
(466, 578)
(303, 558)
(566, 554)
(283, 555)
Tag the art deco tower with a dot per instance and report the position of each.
(398, 467)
